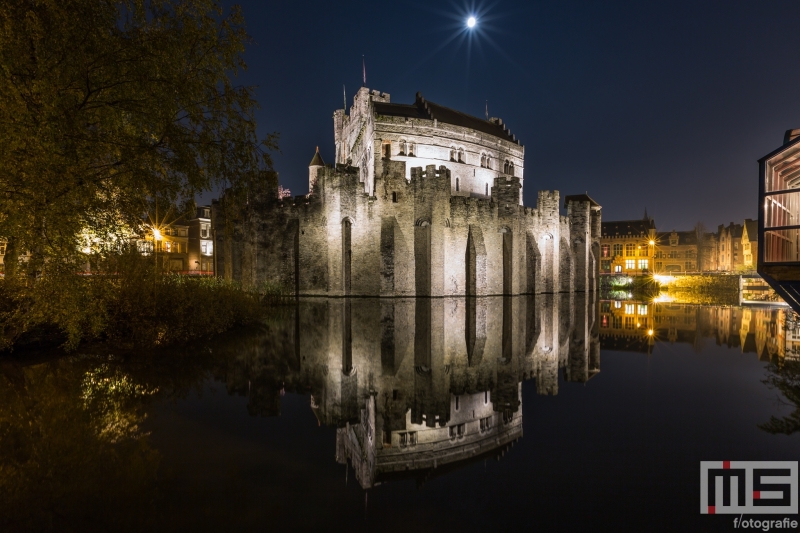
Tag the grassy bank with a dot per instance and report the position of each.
(132, 305)
(704, 289)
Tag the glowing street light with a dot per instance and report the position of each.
(471, 22)
(156, 234)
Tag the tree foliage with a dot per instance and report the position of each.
(107, 106)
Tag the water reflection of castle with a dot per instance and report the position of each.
(771, 333)
(416, 384)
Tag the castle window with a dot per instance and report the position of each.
(488, 161)
(394, 196)
(387, 151)
(505, 167)
(403, 148)
(411, 149)
(456, 403)
(461, 156)
(511, 168)
(452, 154)
(457, 184)
(485, 397)
(483, 160)
(487, 189)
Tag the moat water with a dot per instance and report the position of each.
(494, 414)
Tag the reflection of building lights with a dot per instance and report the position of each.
(663, 279)
(663, 298)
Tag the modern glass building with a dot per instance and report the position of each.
(779, 219)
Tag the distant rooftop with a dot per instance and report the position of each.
(641, 226)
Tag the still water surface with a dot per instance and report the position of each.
(491, 414)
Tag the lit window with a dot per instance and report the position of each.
(617, 305)
(643, 264)
(629, 309)
(604, 321)
(2, 248)
(206, 247)
(630, 249)
(642, 309)
(605, 250)
(630, 264)
(168, 246)
(617, 268)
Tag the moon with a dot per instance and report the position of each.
(471, 22)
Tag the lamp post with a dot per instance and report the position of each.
(652, 244)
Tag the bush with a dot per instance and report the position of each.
(127, 301)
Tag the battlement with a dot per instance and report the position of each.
(430, 172)
(507, 181)
(379, 96)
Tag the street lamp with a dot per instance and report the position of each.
(156, 240)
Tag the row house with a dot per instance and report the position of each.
(185, 245)
(730, 254)
(626, 246)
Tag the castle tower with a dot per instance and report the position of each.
(316, 164)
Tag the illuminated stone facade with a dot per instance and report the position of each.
(432, 208)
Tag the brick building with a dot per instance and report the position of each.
(626, 246)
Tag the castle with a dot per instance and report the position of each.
(421, 201)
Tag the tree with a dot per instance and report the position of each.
(109, 106)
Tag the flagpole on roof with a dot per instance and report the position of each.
(363, 71)
(344, 98)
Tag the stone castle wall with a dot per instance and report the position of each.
(413, 239)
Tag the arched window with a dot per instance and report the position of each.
(452, 154)
(457, 184)
(511, 168)
(488, 161)
(461, 156)
(387, 151)
(483, 160)
(411, 149)
(403, 148)
(505, 167)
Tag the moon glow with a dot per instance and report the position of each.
(471, 22)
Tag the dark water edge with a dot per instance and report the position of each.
(591, 425)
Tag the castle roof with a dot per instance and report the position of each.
(580, 198)
(424, 109)
(317, 160)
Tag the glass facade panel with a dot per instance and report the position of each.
(781, 245)
(782, 209)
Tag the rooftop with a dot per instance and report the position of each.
(424, 109)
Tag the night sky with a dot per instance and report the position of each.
(658, 105)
